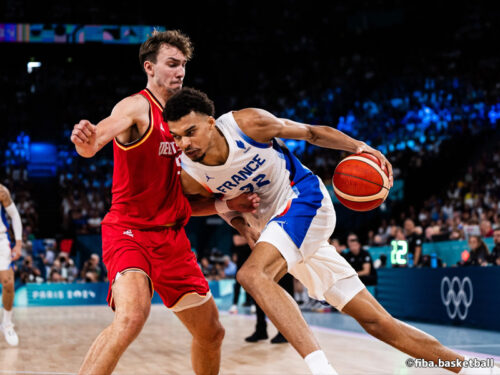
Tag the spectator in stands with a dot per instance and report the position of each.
(56, 267)
(229, 267)
(94, 222)
(485, 228)
(28, 273)
(360, 260)
(495, 252)
(91, 271)
(68, 270)
(207, 268)
(478, 252)
(55, 276)
(414, 238)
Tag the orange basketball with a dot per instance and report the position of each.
(359, 182)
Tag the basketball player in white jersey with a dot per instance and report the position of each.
(7, 256)
(240, 151)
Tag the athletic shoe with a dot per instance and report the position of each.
(233, 309)
(279, 339)
(10, 334)
(256, 336)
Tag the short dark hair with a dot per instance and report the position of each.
(149, 49)
(186, 101)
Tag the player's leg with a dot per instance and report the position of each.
(203, 323)
(132, 299)
(287, 283)
(259, 277)
(7, 281)
(410, 340)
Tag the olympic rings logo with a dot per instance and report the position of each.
(454, 294)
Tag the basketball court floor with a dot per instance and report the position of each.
(54, 340)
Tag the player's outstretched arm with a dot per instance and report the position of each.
(89, 138)
(263, 126)
(17, 225)
(203, 203)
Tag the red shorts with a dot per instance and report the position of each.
(164, 255)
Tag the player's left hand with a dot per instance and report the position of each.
(16, 251)
(383, 160)
(246, 202)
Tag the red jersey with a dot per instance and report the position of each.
(147, 189)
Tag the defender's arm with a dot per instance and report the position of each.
(89, 138)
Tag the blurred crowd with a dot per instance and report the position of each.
(408, 101)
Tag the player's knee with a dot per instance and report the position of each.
(130, 323)
(211, 338)
(7, 285)
(248, 276)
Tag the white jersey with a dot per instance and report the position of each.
(268, 169)
(295, 215)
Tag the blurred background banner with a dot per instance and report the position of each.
(74, 33)
(467, 296)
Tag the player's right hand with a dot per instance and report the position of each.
(84, 133)
(246, 202)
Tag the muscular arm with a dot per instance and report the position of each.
(262, 126)
(89, 138)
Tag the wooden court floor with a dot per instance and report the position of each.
(54, 340)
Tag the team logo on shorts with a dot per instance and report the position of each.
(129, 233)
(457, 296)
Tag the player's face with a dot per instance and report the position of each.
(192, 134)
(170, 68)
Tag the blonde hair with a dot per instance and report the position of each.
(149, 49)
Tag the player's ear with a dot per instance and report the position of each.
(211, 122)
(148, 67)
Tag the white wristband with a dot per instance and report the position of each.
(221, 206)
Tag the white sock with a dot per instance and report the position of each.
(7, 316)
(318, 363)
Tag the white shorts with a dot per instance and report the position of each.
(5, 253)
(301, 236)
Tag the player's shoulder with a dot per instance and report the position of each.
(252, 118)
(4, 192)
(132, 105)
(252, 114)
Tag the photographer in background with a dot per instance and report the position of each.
(91, 271)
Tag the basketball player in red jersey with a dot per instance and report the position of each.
(145, 247)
